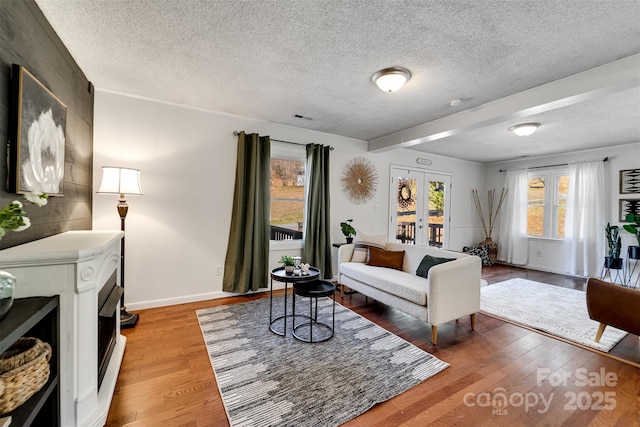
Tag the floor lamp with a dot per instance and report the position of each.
(116, 180)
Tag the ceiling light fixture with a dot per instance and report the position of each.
(391, 79)
(524, 129)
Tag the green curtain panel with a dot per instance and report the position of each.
(317, 238)
(247, 262)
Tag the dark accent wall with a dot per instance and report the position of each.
(27, 39)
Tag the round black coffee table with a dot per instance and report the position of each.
(279, 275)
(313, 291)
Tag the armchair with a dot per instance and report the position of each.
(613, 305)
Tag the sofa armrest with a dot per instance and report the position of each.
(454, 289)
(345, 253)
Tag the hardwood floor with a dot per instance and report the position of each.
(166, 377)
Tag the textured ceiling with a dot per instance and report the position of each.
(273, 59)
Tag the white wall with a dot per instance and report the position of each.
(177, 232)
(547, 254)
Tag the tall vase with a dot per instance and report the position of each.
(492, 249)
(7, 286)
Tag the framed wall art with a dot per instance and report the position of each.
(628, 206)
(630, 181)
(38, 136)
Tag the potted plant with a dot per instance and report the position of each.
(633, 228)
(348, 230)
(288, 263)
(615, 243)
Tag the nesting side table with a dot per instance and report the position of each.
(279, 275)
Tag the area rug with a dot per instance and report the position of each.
(552, 309)
(269, 380)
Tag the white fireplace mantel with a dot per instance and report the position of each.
(74, 265)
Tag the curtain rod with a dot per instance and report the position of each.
(236, 133)
(549, 166)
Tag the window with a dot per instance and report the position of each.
(547, 203)
(287, 192)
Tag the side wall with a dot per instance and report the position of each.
(177, 232)
(547, 254)
(27, 39)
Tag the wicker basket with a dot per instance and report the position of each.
(24, 369)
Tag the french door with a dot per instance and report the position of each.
(419, 207)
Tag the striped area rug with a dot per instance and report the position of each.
(269, 380)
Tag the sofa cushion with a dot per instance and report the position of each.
(363, 242)
(413, 254)
(480, 251)
(429, 261)
(388, 259)
(399, 283)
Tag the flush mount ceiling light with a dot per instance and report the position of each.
(525, 129)
(391, 79)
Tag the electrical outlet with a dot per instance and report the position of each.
(219, 270)
(539, 254)
(376, 208)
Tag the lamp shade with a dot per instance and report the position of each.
(391, 79)
(117, 180)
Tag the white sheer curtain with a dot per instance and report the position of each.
(512, 242)
(585, 218)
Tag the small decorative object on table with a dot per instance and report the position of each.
(348, 230)
(24, 369)
(288, 263)
(305, 268)
(296, 265)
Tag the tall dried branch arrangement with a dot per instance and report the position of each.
(492, 215)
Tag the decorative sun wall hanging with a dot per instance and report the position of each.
(359, 180)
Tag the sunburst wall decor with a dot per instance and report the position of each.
(359, 180)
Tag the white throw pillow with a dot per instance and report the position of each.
(363, 241)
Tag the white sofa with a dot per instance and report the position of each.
(451, 290)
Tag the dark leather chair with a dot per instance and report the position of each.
(613, 305)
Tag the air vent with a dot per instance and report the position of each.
(300, 116)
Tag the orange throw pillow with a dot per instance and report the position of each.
(388, 259)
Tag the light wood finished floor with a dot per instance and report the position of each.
(166, 378)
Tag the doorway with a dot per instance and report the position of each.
(419, 203)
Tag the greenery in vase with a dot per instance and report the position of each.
(347, 228)
(633, 228)
(613, 240)
(286, 260)
(14, 217)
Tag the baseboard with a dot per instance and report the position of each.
(545, 269)
(133, 306)
(142, 305)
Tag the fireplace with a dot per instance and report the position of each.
(83, 268)
(108, 298)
